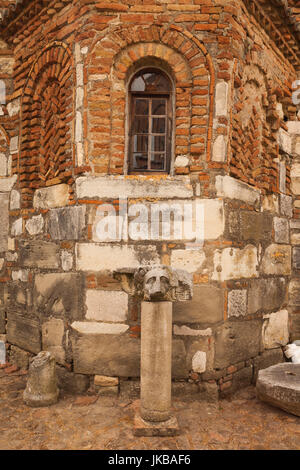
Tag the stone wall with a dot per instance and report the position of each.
(63, 153)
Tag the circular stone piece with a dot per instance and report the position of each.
(279, 386)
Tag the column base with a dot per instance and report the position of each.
(149, 428)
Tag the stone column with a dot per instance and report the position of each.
(157, 287)
(156, 359)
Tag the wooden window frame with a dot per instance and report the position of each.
(133, 96)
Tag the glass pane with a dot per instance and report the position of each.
(140, 161)
(142, 107)
(141, 125)
(140, 143)
(158, 107)
(157, 161)
(158, 125)
(158, 143)
(151, 80)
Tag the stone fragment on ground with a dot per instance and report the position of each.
(279, 386)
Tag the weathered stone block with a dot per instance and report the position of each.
(52, 196)
(286, 205)
(59, 294)
(206, 307)
(116, 355)
(235, 263)
(277, 260)
(275, 330)
(189, 260)
(281, 230)
(23, 332)
(112, 355)
(4, 201)
(92, 257)
(266, 294)
(52, 338)
(237, 341)
(296, 257)
(200, 355)
(231, 188)
(267, 359)
(111, 187)
(70, 382)
(255, 226)
(109, 306)
(35, 225)
(67, 223)
(39, 254)
(294, 294)
(237, 303)
(105, 381)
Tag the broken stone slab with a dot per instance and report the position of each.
(279, 386)
(41, 388)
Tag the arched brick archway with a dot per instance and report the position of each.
(108, 67)
(46, 154)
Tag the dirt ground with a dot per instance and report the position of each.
(91, 422)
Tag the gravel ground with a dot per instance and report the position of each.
(91, 422)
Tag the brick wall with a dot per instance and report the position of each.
(64, 128)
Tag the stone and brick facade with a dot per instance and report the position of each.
(66, 67)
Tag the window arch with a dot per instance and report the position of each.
(150, 122)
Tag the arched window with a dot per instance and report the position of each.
(150, 132)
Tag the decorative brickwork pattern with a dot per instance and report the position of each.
(120, 54)
(47, 110)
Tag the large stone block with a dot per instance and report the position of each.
(114, 186)
(189, 260)
(266, 294)
(109, 306)
(92, 257)
(70, 382)
(4, 203)
(23, 332)
(206, 307)
(67, 223)
(237, 341)
(235, 263)
(275, 330)
(277, 260)
(52, 196)
(294, 294)
(267, 359)
(59, 295)
(281, 230)
(107, 351)
(231, 188)
(255, 226)
(39, 254)
(296, 257)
